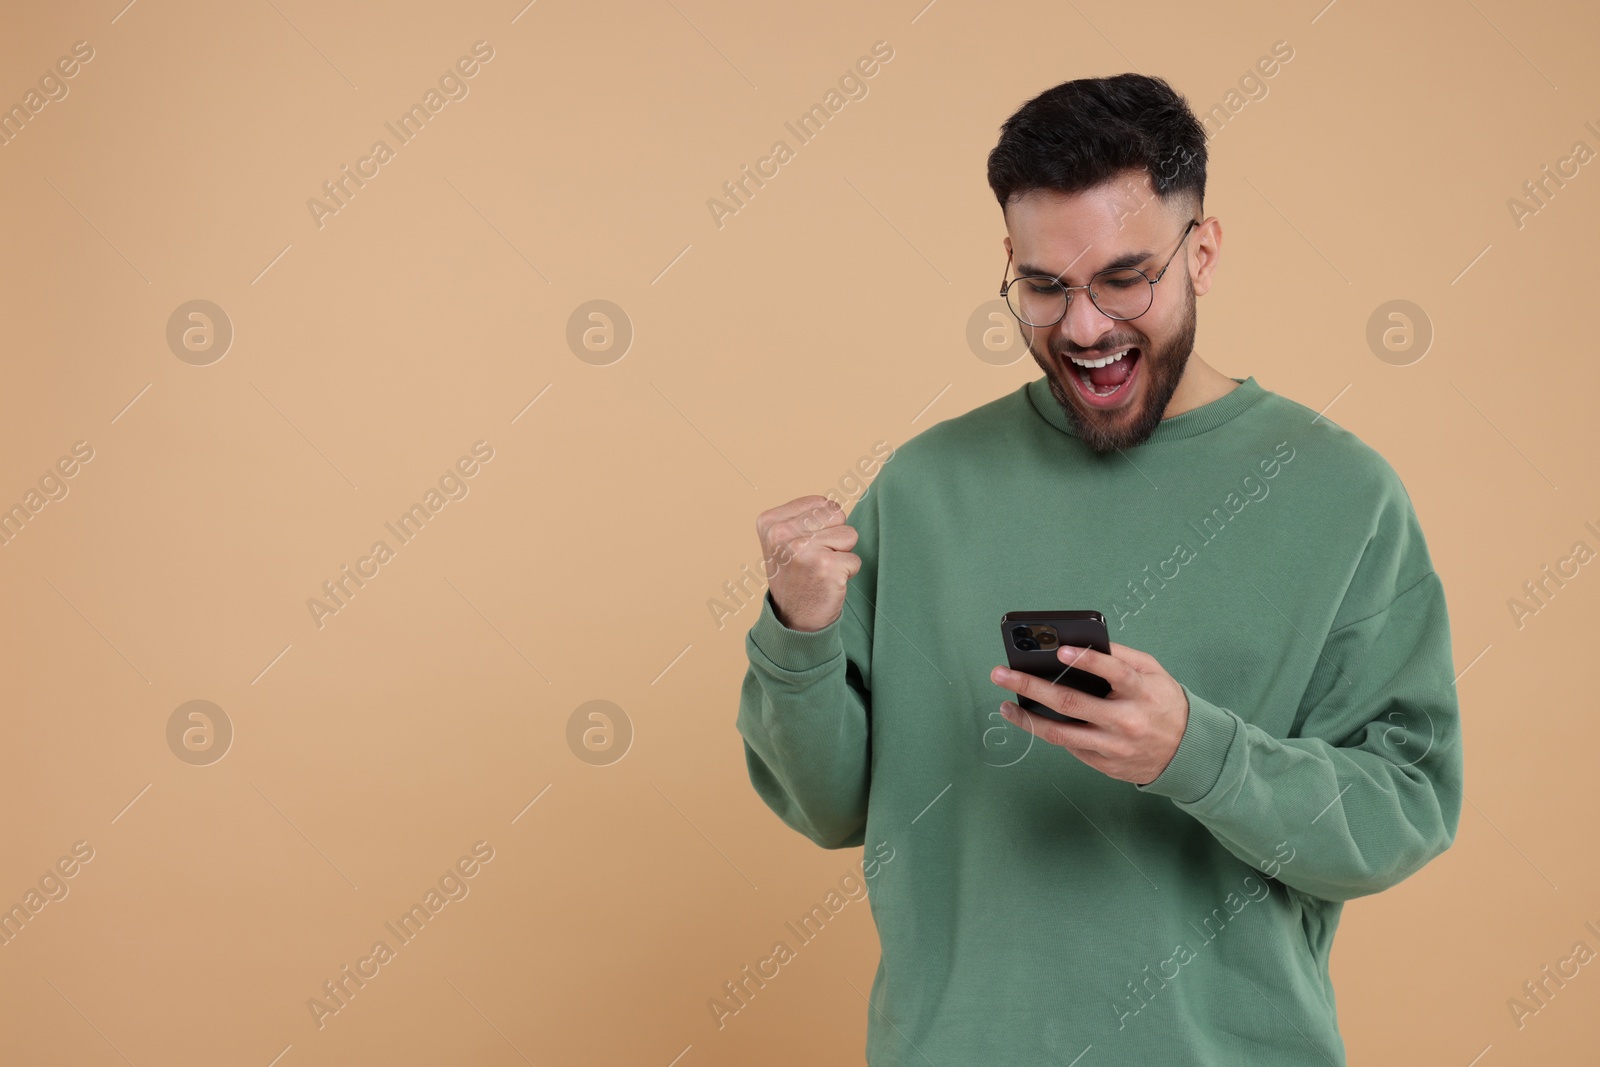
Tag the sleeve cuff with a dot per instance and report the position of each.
(1197, 765)
(794, 650)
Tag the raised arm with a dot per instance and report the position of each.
(804, 707)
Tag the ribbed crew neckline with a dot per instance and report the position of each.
(1194, 421)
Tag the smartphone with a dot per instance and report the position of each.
(1032, 639)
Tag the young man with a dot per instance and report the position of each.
(1162, 882)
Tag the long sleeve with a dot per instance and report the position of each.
(805, 705)
(1369, 789)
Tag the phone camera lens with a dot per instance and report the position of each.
(1022, 637)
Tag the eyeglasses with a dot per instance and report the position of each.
(1120, 293)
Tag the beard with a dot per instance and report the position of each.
(1161, 368)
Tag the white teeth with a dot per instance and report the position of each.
(1102, 362)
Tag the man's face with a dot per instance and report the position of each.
(1051, 232)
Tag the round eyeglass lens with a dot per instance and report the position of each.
(1120, 294)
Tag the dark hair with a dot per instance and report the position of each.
(1082, 133)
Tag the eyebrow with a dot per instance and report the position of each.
(1132, 259)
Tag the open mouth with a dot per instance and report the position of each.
(1105, 381)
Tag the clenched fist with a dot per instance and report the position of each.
(806, 548)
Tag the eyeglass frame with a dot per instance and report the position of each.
(1066, 304)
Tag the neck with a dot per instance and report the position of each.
(1201, 384)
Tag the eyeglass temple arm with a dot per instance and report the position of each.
(1192, 224)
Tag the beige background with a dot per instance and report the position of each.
(768, 355)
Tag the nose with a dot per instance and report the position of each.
(1084, 324)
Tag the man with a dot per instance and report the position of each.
(1162, 882)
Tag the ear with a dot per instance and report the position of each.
(1205, 248)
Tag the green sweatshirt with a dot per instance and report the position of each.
(1035, 909)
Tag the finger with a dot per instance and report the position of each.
(1061, 698)
(805, 523)
(1121, 675)
(840, 538)
(1068, 735)
(797, 509)
(798, 505)
(811, 548)
(1142, 661)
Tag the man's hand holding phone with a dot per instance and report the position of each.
(1130, 734)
